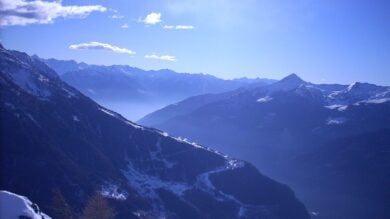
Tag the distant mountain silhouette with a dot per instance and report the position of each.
(136, 87)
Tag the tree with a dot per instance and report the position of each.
(98, 208)
(60, 209)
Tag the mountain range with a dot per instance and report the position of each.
(330, 142)
(134, 92)
(54, 137)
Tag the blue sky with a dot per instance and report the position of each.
(321, 40)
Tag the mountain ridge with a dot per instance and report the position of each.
(126, 89)
(284, 126)
(52, 136)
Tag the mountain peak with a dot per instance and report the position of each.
(290, 82)
(293, 78)
(362, 86)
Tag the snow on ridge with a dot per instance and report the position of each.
(351, 86)
(113, 114)
(264, 99)
(134, 125)
(185, 140)
(165, 134)
(234, 164)
(108, 112)
(13, 206)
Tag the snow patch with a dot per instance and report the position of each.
(32, 119)
(338, 107)
(13, 206)
(264, 99)
(112, 191)
(165, 134)
(23, 79)
(204, 183)
(335, 121)
(147, 184)
(314, 213)
(234, 164)
(334, 94)
(373, 101)
(69, 94)
(158, 156)
(242, 212)
(43, 78)
(76, 118)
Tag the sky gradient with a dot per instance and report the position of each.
(323, 41)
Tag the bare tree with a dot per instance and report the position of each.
(98, 208)
(60, 209)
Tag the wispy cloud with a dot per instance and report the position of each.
(23, 12)
(125, 26)
(179, 27)
(162, 57)
(151, 19)
(117, 16)
(184, 27)
(101, 46)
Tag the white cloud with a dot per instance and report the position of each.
(151, 19)
(101, 46)
(125, 26)
(23, 12)
(162, 57)
(116, 16)
(184, 27)
(169, 27)
(179, 27)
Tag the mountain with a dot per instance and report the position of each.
(296, 131)
(55, 138)
(135, 92)
(13, 206)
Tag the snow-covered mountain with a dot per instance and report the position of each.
(13, 206)
(281, 125)
(54, 137)
(126, 89)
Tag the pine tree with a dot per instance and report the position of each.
(98, 208)
(60, 209)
